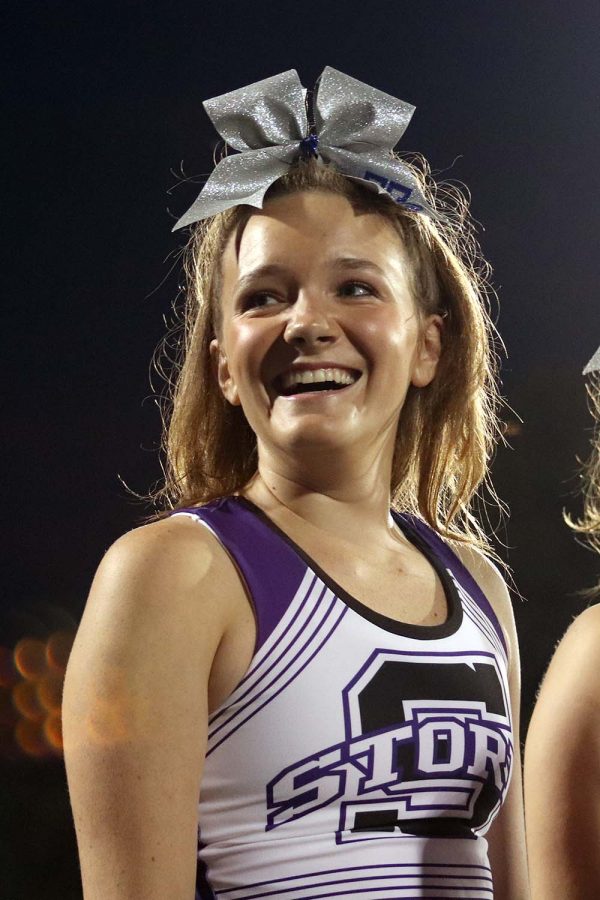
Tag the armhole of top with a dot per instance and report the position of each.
(269, 570)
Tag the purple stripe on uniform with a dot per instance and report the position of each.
(362, 878)
(343, 871)
(310, 578)
(478, 618)
(271, 569)
(355, 890)
(283, 686)
(447, 555)
(400, 887)
(275, 647)
(258, 693)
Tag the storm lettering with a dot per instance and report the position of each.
(307, 786)
(457, 746)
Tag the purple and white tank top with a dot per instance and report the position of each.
(359, 756)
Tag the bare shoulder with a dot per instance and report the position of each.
(177, 548)
(162, 599)
(166, 563)
(574, 667)
(584, 630)
(563, 739)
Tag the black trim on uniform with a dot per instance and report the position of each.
(421, 632)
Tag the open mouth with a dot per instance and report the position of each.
(312, 381)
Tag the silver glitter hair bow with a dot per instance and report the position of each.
(356, 128)
(594, 364)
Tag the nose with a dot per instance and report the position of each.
(309, 322)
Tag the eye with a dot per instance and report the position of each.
(357, 289)
(259, 300)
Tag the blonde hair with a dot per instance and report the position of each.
(589, 522)
(447, 430)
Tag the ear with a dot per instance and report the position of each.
(428, 351)
(220, 366)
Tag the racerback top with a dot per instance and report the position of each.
(359, 757)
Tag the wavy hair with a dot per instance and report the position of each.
(447, 430)
(589, 522)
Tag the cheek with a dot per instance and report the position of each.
(240, 345)
(393, 334)
(247, 345)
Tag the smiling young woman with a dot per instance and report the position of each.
(298, 297)
(329, 662)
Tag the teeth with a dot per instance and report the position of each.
(310, 376)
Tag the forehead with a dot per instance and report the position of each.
(308, 229)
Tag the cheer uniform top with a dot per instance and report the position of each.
(359, 757)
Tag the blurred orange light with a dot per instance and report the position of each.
(53, 732)
(25, 699)
(30, 738)
(30, 658)
(58, 649)
(49, 691)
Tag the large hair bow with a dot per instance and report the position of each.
(594, 364)
(355, 129)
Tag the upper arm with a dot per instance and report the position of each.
(506, 836)
(135, 711)
(562, 768)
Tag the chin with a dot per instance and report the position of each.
(312, 437)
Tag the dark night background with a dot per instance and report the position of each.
(104, 106)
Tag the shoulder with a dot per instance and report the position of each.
(569, 698)
(564, 723)
(169, 583)
(175, 549)
(160, 604)
(574, 667)
(584, 630)
(174, 536)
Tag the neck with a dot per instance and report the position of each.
(326, 490)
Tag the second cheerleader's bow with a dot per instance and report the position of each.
(356, 129)
(594, 364)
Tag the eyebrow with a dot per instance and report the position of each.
(355, 262)
(276, 269)
(260, 272)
